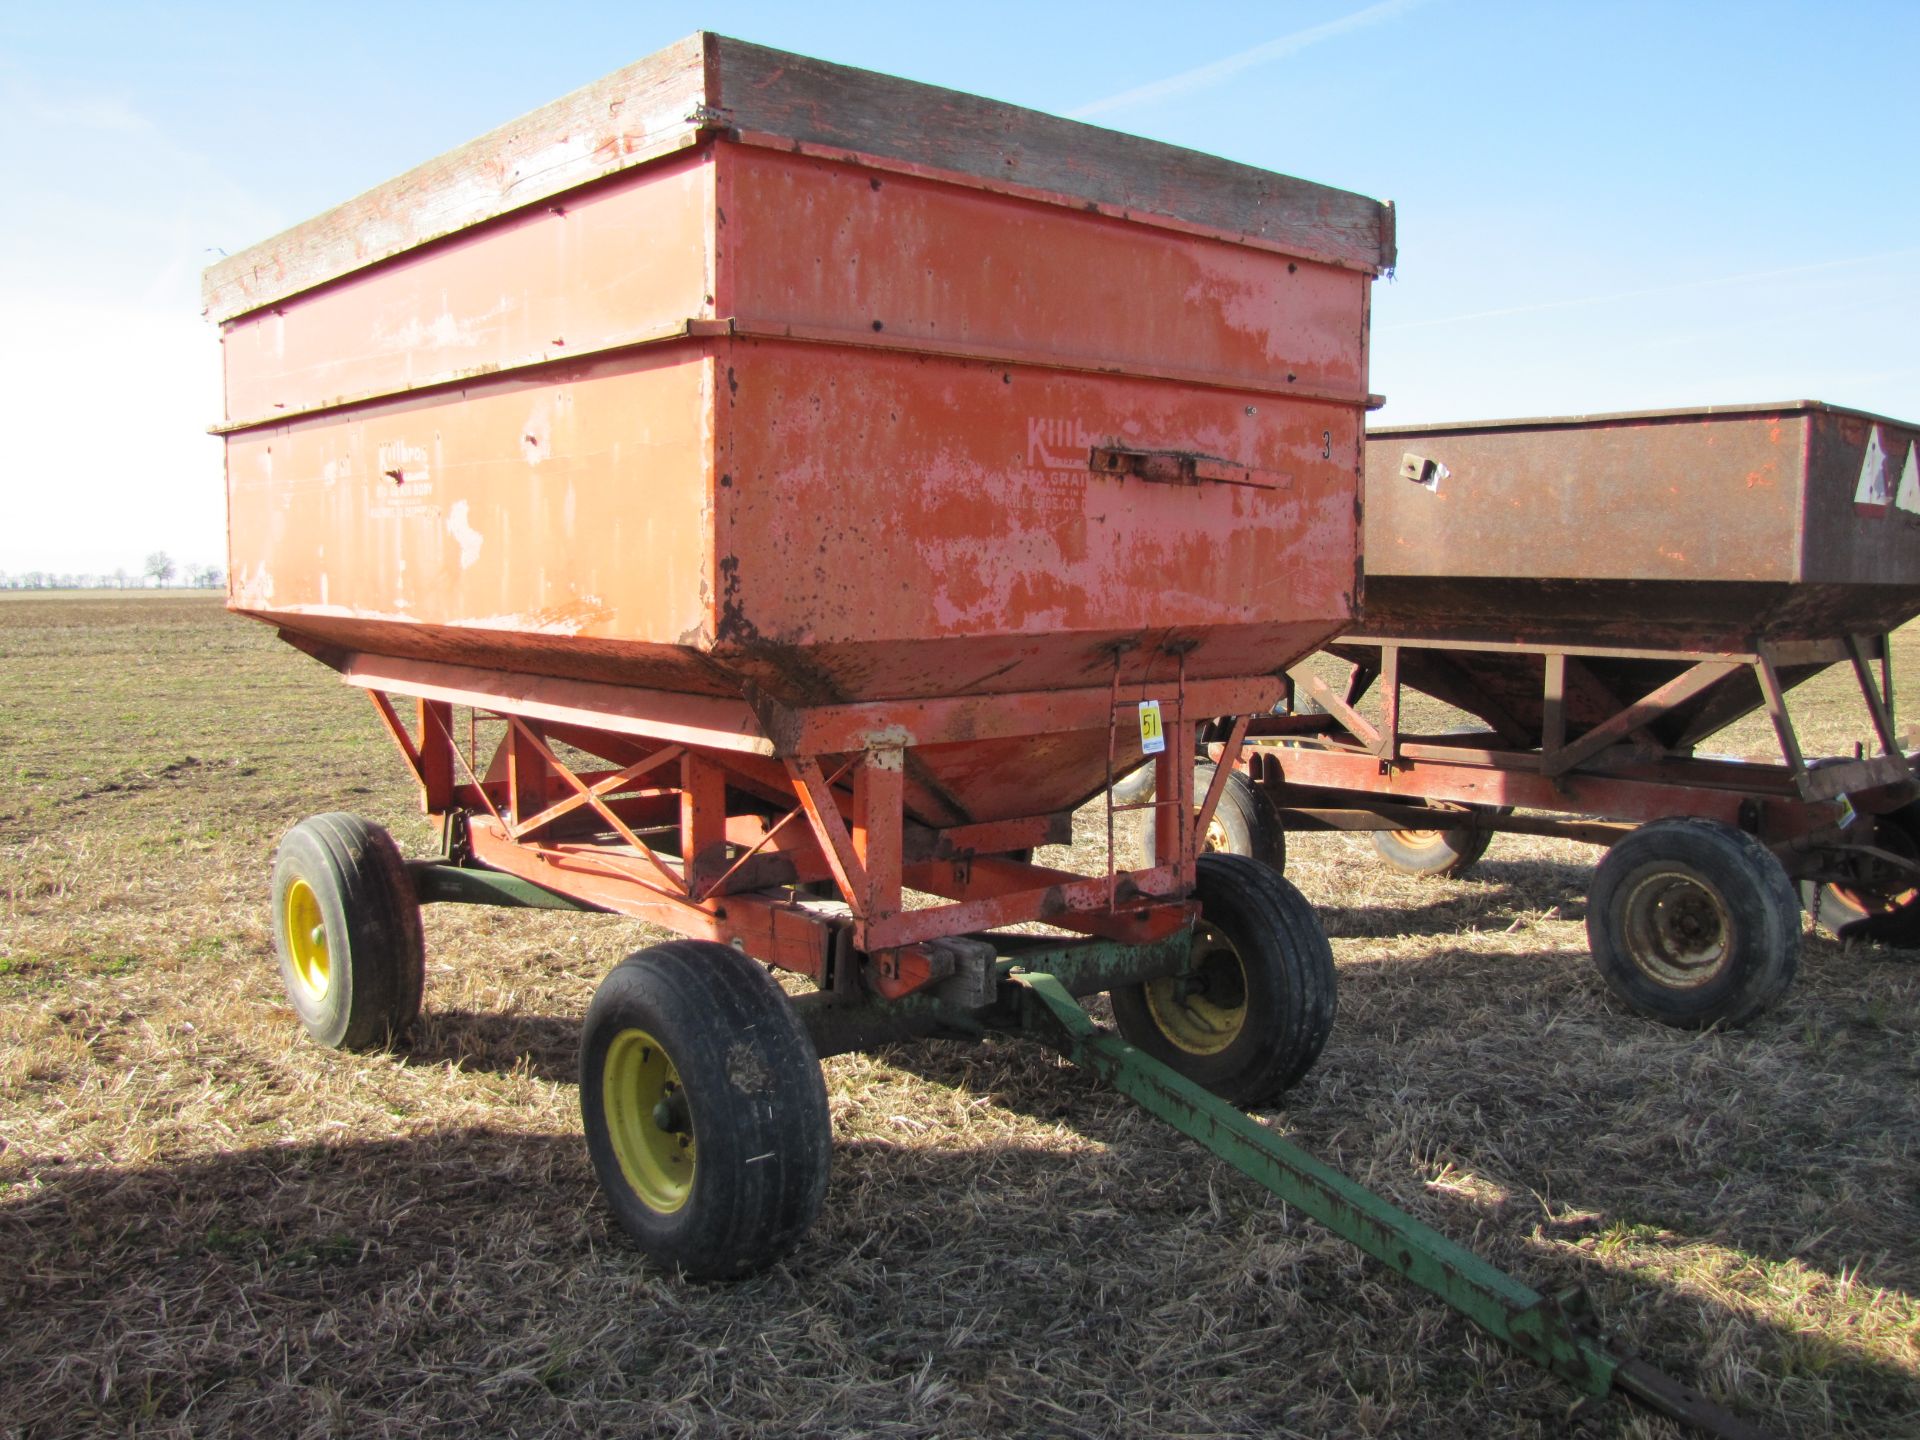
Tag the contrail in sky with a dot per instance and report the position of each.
(1246, 59)
(1705, 284)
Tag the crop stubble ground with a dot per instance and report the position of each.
(210, 1226)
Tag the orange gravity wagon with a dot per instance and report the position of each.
(765, 499)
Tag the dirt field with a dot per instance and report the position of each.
(210, 1226)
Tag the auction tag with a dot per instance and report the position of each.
(1153, 739)
(1847, 812)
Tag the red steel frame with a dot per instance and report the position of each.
(685, 814)
(1342, 771)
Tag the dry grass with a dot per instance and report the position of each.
(209, 1226)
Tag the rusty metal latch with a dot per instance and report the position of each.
(1179, 467)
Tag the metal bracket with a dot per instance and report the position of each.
(1422, 471)
(438, 883)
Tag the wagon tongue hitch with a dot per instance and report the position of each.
(1553, 1332)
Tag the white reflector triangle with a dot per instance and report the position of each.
(1873, 488)
(1907, 497)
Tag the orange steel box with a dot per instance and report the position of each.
(738, 373)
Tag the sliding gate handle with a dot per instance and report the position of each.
(1180, 467)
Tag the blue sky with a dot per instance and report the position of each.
(1601, 206)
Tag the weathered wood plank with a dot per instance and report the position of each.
(816, 103)
(662, 103)
(633, 115)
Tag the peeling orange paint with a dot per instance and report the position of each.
(868, 478)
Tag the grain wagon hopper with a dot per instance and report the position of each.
(765, 499)
(1604, 594)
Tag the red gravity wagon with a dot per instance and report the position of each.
(1604, 595)
(754, 493)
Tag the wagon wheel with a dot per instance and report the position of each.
(1136, 785)
(1883, 906)
(1252, 1010)
(1243, 822)
(1693, 923)
(346, 929)
(1439, 851)
(704, 1108)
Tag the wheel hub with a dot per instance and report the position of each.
(1203, 1009)
(306, 931)
(1678, 931)
(649, 1121)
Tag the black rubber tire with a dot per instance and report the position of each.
(1693, 923)
(1136, 785)
(347, 875)
(1243, 822)
(1891, 916)
(1283, 985)
(761, 1136)
(1432, 852)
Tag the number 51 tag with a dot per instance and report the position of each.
(1153, 738)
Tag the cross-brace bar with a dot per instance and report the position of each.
(1676, 692)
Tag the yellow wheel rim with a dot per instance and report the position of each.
(1202, 1010)
(1216, 840)
(648, 1121)
(307, 940)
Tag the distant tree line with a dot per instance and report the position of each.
(159, 570)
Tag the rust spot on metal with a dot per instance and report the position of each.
(735, 627)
